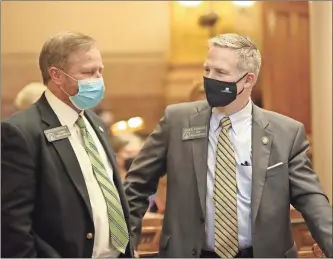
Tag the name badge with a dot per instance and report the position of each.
(57, 133)
(195, 132)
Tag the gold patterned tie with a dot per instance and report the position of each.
(117, 223)
(225, 195)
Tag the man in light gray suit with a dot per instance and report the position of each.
(233, 169)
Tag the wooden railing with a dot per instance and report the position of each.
(152, 227)
(150, 235)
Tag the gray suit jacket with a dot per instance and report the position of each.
(273, 190)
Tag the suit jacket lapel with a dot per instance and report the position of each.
(201, 117)
(104, 139)
(260, 154)
(261, 146)
(65, 151)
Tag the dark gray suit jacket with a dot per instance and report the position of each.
(273, 190)
(45, 206)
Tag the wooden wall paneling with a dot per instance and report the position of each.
(286, 64)
(134, 83)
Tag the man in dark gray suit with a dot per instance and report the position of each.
(233, 169)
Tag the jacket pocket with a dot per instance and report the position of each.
(274, 170)
(292, 252)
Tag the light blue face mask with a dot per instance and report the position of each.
(91, 92)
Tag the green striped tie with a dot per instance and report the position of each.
(225, 195)
(117, 224)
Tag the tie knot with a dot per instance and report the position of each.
(225, 123)
(80, 122)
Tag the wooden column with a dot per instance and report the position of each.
(286, 65)
(321, 90)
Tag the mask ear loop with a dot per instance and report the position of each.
(240, 80)
(64, 91)
(69, 77)
(242, 77)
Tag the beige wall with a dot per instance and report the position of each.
(141, 26)
(321, 90)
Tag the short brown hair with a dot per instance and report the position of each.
(56, 50)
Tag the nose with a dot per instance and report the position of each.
(98, 74)
(212, 75)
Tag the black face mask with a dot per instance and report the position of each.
(219, 93)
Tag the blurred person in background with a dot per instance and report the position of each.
(129, 146)
(29, 95)
(106, 116)
(61, 193)
(197, 92)
(117, 143)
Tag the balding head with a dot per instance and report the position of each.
(29, 95)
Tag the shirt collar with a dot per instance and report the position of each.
(237, 119)
(65, 113)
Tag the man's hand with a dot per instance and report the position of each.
(136, 255)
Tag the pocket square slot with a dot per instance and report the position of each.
(273, 166)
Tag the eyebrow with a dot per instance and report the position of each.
(216, 68)
(93, 67)
(221, 69)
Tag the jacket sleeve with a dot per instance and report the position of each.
(307, 195)
(18, 191)
(143, 177)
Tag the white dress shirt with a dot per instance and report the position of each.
(67, 116)
(240, 137)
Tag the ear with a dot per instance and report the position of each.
(56, 75)
(250, 80)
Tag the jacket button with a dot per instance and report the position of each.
(202, 220)
(194, 251)
(90, 235)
